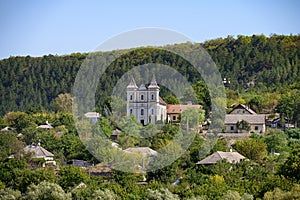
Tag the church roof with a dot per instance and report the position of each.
(161, 101)
(132, 84)
(142, 87)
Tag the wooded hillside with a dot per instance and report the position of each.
(263, 63)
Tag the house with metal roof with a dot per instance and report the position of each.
(46, 126)
(256, 122)
(145, 151)
(143, 156)
(231, 157)
(92, 116)
(36, 151)
(39, 152)
(241, 109)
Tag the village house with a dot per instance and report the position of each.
(39, 152)
(231, 157)
(46, 126)
(174, 111)
(92, 116)
(145, 151)
(256, 122)
(147, 155)
(78, 163)
(36, 151)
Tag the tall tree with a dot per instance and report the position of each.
(291, 168)
(252, 148)
(46, 190)
(10, 145)
(70, 176)
(63, 103)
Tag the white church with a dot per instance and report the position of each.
(145, 103)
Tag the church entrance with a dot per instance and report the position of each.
(142, 122)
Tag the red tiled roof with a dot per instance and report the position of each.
(178, 108)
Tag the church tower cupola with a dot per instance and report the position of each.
(153, 84)
(132, 84)
(153, 91)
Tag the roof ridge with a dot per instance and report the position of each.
(153, 83)
(44, 151)
(220, 154)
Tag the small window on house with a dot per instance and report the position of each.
(142, 111)
(243, 111)
(256, 128)
(142, 97)
(174, 118)
(232, 128)
(131, 97)
(152, 96)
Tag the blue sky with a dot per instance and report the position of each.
(62, 27)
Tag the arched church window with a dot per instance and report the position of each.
(152, 96)
(142, 111)
(131, 97)
(142, 97)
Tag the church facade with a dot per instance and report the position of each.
(145, 103)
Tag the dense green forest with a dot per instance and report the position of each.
(259, 64)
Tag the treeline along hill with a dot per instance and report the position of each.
(255, 63)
